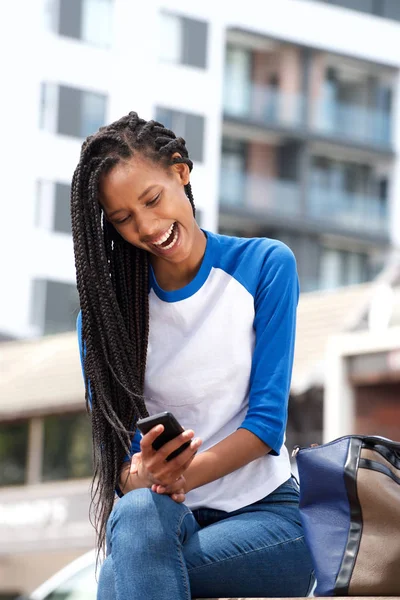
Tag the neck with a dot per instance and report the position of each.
(174, 276)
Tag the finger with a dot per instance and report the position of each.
(171, 470)
(168, 489)
(176, 443)
(135, 460)
(148, 439)
(176, 487)
(179, 498)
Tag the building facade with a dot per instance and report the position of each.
(294, 130)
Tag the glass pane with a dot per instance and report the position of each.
(360, 5)
(49, 98)
(166, 117)
(391, 9)
(93, 113)
(237, 81)
(69, 111)
(170, 38)
(81, 586)
(194, 43)
(38, 303)
(186, 125)
(61, 308)
(330, 269)
(67, 452)
(70, 18)
(44, 205)
(51, 15)
(194, 136)
(62, 213)
(97, 21)
(13, 452)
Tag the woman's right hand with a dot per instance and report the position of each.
(153, 466)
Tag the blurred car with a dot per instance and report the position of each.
(76, 581)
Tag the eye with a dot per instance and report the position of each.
(154, 201)
(124, 220)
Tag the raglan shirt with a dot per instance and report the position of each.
(220, 357)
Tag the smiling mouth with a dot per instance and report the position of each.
(169, 239)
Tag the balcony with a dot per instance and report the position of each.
(354, 123)
(349, 211)
(263, 104)
(259, 193)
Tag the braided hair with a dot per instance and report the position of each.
(112, 282)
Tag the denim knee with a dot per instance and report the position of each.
(144, 506)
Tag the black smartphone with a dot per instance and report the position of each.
(172, 428)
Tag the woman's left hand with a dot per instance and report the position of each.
(176, 490)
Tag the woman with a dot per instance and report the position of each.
(202, 325)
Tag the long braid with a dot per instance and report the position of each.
(112, 282)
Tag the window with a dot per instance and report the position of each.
(86, 20)
(391, 9)
(62, 214)
(359, 5)
(80, 113)
(339, 268)
(183, 41)
(71, 111)
(237, 81)
(64, 443)
(55, 306)
(187, 125)
(13, 452)
(67, 447)
(53, 206)
(233, 172)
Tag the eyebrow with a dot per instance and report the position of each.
(146, 191)
(142, 195)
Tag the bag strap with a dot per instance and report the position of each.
(380, 441)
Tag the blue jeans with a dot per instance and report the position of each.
(159, 550)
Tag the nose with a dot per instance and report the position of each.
(147, 226)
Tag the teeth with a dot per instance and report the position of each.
(173, 241)
(164, 237)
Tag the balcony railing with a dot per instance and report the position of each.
(260, 193)
(263, 104)
(282, 198)
(353, 122)
(349, 211)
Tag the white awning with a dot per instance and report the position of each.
(40, 375)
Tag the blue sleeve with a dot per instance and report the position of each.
(275, 303)
(135, 444)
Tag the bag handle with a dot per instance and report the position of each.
(379, 440)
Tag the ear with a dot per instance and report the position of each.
(181, 169)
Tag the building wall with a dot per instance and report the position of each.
(377, 410)
(133, 77)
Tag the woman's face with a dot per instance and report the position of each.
(148, 207)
